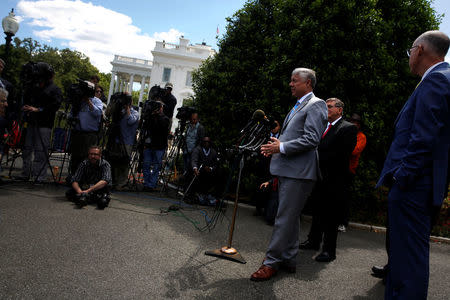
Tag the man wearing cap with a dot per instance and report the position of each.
(169, 101)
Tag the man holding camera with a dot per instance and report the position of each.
(169, 101)
(156, 130)
(42, 100)
(87, 124)
(124, 119)
(91, 181)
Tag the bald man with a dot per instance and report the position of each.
(416, 168)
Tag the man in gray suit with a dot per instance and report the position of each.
(295, 163)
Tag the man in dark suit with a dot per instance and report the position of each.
(335, 149)
(294, 162)
(417, 168)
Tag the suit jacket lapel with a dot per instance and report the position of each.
(291, 115)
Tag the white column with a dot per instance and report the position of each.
(111, 85)
(130, 88)
(116, 88)
(141, 94)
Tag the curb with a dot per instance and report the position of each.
(381, 229)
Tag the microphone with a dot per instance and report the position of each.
(258, 115)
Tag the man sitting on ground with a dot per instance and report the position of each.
(204, 162)
(91, 182)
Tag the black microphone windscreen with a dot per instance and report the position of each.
(258, 115)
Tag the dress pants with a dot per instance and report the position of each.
(37, 140)
(327, 201)
(410, 214)
(283, 246)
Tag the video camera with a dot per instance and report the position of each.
(75, 95)
(33, 73)
(156, 93)
(117, 103)
(184, 113)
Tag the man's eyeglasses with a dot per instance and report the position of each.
(408, 52)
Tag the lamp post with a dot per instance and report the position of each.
(10, 27)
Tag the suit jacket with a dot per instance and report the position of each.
(335, 150)
(300, 134)
(199, 158)
(419, 153)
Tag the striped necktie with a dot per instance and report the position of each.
(294, 108)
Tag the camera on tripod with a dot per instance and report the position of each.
(76, 94)
(33, 73)
(156, 93)
(184, 113)
(119, 101)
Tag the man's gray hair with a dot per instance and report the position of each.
(337, 102)
(437, 41)
(4, 92)
(306, 74)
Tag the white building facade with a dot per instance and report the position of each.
(172, 63)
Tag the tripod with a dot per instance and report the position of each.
(169, 167)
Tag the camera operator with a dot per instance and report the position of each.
(91, 182)
(42, 99)
(87, 118)
(204, 163)
(124, 119)
(194, 134)
(169, 101)
(156, 130)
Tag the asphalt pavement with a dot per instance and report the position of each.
(139, 249)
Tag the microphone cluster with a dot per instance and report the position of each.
(256, 132)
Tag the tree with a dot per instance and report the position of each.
(357, 48)
(69, 65)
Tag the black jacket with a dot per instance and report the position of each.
(157, 130)
(199, 158)
(48, 101)
(335, 150)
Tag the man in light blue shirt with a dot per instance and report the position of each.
(85, 130)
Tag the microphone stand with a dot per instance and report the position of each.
(250, 142)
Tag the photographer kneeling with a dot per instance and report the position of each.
(91, 181)
(204, 168)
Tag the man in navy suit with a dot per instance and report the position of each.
(417, 168)
(295, 163)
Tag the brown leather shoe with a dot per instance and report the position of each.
(284, 267)
(264, 273)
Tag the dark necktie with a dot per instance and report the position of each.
(326, 131)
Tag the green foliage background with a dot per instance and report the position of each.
(356, 47)
(69, 65)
